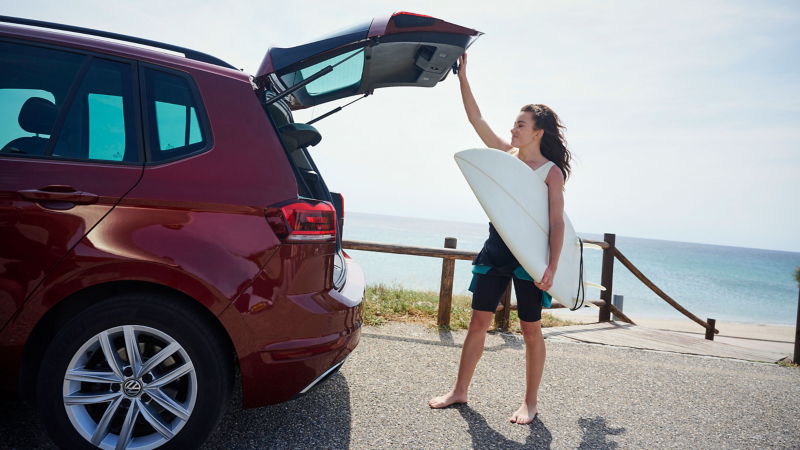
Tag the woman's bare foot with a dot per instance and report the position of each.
(525, 414)
(447, 400)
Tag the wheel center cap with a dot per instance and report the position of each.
(132, 388)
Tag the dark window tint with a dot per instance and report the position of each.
(100, 124)
(34, 82)
(175, 125)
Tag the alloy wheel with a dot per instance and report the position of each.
(130, 387)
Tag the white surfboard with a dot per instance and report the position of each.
(516, 201)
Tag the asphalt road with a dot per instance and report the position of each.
(592, 397)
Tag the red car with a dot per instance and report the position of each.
(162, 220)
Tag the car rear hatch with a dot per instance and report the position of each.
(403, 49)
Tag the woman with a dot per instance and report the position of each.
(537, 140)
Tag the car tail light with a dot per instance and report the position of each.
(303, 221)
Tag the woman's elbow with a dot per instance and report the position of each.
(557, 224)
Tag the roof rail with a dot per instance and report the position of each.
(190, 54)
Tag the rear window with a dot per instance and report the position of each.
(343, 81)
(100, 124)
(347, 74)
(176, 124)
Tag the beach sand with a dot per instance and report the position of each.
(778, 338)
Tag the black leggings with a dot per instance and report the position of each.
(489, 289)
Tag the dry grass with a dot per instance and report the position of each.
(786, 362)
(396, 303)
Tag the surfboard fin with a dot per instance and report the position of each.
(592, 305)
(592, 246)
(593, 285)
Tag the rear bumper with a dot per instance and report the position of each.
(320, 379)
(295, 341)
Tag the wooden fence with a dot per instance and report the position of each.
(450, 254)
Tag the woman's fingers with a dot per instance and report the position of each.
(547, 281)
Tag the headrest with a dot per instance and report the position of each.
(38, 116)
(279, 110)
(297, 135)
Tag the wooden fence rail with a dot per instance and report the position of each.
(661, 293)
(449, 254)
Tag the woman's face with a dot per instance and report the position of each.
(522, 133)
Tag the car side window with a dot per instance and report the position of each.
(34, 83)
(100, 124)
(175, 123)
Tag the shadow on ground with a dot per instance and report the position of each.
(595, 432)
(20, 427)
(318, 420)
(485, 437)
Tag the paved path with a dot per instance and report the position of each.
(592, 397)
(634, 336)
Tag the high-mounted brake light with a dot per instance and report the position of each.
(406, 13)
(410, 20)
(303, 221)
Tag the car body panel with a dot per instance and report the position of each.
(35, 235)
(285, 299)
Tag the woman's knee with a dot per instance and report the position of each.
(480, 320)
(531, 331)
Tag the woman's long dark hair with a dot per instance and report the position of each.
(554, 145)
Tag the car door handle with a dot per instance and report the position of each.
(59, 194)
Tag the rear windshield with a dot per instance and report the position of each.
(345, 78)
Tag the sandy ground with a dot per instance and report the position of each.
(778, 338)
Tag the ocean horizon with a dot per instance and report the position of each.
(733, 284)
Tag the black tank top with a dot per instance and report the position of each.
(495, 254)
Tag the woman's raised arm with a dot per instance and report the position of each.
(487, 135)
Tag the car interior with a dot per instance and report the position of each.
(297, 137)
(34, 84)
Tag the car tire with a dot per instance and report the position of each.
(171, 395)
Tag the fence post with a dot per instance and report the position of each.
(607, 277)
(710, 331)
(617, 302)
(797, 333)
(502, 318)
(446, 287)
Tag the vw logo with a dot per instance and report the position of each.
(132, 388)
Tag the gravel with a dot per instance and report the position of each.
(592, 397)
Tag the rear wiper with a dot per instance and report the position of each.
(335, 110)
(308, 80)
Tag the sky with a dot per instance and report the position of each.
(683, 116)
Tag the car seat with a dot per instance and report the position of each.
(299, 135)
(37, 116)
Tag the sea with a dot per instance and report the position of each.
(731, 284)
